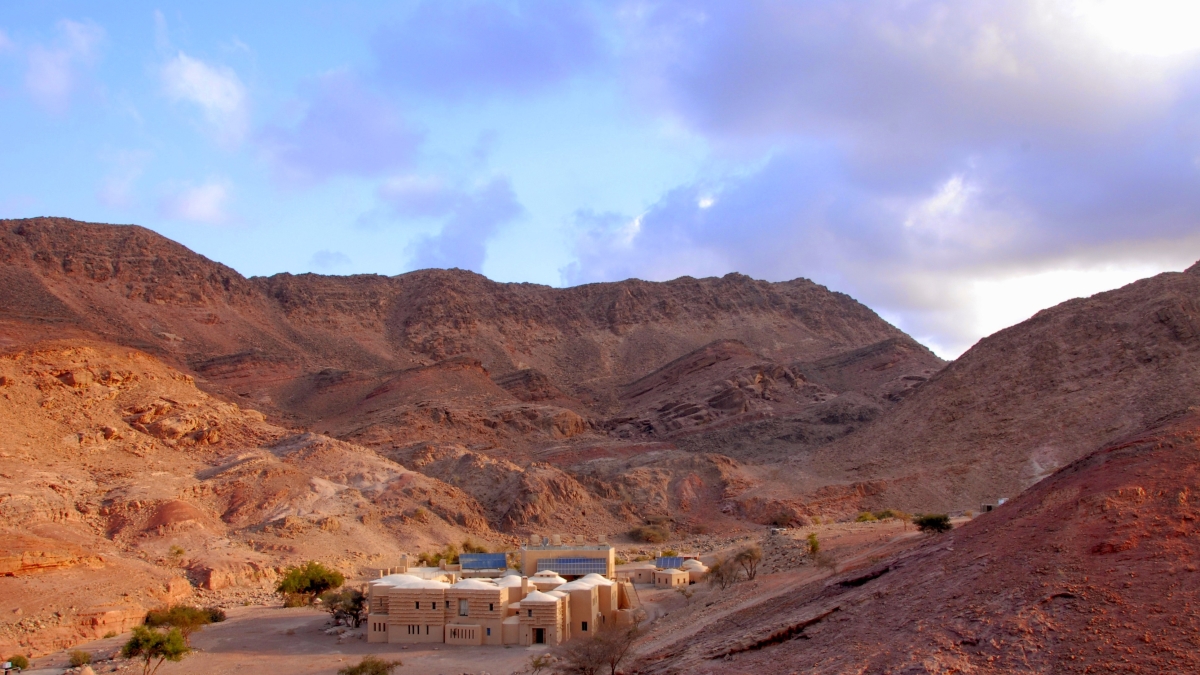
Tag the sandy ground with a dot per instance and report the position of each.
(260, 639)
(257, 640)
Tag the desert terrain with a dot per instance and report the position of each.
(171, 431)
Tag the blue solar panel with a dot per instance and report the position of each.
(483, 561)
(575, 567)
(668, 562)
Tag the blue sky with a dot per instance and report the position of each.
(955, 165)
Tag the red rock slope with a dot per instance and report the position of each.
(1093, 570)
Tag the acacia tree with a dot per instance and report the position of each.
(149, 644)
(749, 558)
(186, 618)
(348, 606)
(723, 573)
(611, 646)
(301, 585)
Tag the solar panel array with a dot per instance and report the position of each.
(575, 567)
(668, 562)
(483, 561)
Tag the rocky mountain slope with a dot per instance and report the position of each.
(1032, 398)
(1092, 570)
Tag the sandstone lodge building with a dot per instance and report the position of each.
(562, 591)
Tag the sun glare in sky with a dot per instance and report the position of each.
(1157, 28)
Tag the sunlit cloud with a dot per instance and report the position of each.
(205, 203)
(216, 90)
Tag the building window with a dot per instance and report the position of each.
(489, 632)
(435, 604)
(585, 626)
(418, 604)
(491, 606)
(427, 629)
(462, 607)
(530, 612)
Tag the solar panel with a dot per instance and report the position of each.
(668, 562)
(575, 567)
(483, 561)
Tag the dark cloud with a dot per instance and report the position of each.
(470, 48)
(469, 218)
(345, 129)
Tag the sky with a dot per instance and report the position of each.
(956, 165)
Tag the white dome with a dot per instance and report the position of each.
(476, 585)
(538, 596)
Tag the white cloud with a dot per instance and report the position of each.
(204, 203)
(216, 90)
(51, 75)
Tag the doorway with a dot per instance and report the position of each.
(539, 636)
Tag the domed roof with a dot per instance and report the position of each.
(692, 563)
(476, 585)
(538, 596)
(597, 579)
(509, 581)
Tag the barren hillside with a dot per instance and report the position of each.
(1032, 398)
(1092, 570)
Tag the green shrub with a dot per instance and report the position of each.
(110, 634)
(371, 665)
(651, 534)
(885, 514)
(865, 517)
(19, 661)
(306, 582)
(187, 619)
(78, 658)
(669, 552)
(148, 644)
(215, 614)
(933, 523)
(469, 546)
(814, 546)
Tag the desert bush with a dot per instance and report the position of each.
(348, 606)
(669, 552)
(110, 634)
(19, 661)
(933, 523)
(723, 573)
(826, 561)
(78, 658)
(301, 585)
(604, 652)
(814, 546)
(148, 644)
(748, 558)
(470, 546)
(449, 554)
(651, 534)
(865, 517)
(187, 619)
(371, 665)
(215, 614)
(885, 514)
(540, 662)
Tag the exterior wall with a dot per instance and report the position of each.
(485, 608)
(377, 628)
(416, 615)
(585, 609)
(670, 579)
(464, 634)
(550, 617)
(530, 556)
(639, 575)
